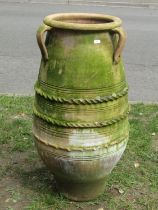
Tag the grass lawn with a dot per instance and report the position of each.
(25, 183)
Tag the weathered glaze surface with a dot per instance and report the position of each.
(81, 102)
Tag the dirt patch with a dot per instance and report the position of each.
(21, 116)
(12, 194)
(114, 190)
(15, 168)
(155, 143)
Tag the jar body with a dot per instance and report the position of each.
(80, 110)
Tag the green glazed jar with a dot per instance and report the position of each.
(81, 103)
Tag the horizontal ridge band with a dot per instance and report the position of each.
(98, 99)
(79, 124)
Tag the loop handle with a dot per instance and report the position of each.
(40, 40)
(43, 28)
(120, 44)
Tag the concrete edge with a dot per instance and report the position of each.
(85, 3)
(144, 102)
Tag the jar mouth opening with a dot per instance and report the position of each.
(82, 21)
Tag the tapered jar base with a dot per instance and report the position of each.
(81, 191)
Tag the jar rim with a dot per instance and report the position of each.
(82, 21)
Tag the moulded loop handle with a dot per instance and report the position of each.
(120, 44)
(40, 40)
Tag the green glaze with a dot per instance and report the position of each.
(81, 113)
(79, 68)
(81, 103)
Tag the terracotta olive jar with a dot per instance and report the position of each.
(81, 103)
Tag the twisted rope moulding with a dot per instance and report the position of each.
(77, 101)
(78, 124)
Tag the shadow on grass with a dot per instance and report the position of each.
(37, 178)
(42, 187)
